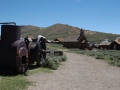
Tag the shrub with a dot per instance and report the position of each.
(99, 56)
(50, 63)
(118, 57)
(81, 52)
(105, 54)
(112, 63)
(111, 58)
(92, 54)
(64, 58)
(56, 60)
(53, 62)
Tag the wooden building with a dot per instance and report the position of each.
(105, 45)
(115, 45)
(76, 41)
(59, 40)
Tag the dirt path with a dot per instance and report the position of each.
(79, 72)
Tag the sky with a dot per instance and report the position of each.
(95, 15)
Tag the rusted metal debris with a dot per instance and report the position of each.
(16, 53)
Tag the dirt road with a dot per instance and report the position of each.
(79, 72)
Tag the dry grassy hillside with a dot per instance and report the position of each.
(63, 30)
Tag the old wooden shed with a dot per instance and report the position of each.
(60, 40)
(76, 41)
(105, 45)
(116, 44)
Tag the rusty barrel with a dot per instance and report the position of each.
(10, 34)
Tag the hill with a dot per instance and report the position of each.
(63, 30)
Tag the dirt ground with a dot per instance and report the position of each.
(79, 72)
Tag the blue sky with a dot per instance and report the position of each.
(96, 15)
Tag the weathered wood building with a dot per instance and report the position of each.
(115, 45)
(59, 40)
(105, 45)
(76, 41)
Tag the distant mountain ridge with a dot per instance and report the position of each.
(63, 30)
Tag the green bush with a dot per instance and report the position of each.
(112, 63)
(92, 54)
(118, 57)
(105, 54)
(99, 56)
(50, 63)
(53, 62)
(64, 58)
(56, 60)
(80, 52)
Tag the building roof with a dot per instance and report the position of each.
(59, 39)
(72, 38)
(49, 40)
(105, 43)
(117, 40)
(30, 37)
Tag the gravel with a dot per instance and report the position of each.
(79, 72)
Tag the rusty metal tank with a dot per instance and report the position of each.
(10, 34)
(13, 51)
